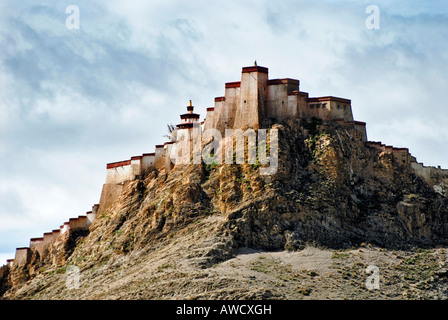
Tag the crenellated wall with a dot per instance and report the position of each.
(160, 156)
(43, 244)
(23, 256)
(437, 178)
(357, 125)
(118, 172)
(37, 244)
(329, 108)
(226, 106)
(168, 146)
(252, 105)
(148, 162)
(401, 155)
(65, 227)
(79, 223)
(219, 114)
(280, 104)
(209, 119)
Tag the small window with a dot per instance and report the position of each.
(324, 105)
(311, 106)
(339, 106)
(244, 101)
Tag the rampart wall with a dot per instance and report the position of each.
(437, 178)
(42, 244)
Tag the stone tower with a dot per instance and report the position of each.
(187, 121)
(251, 108)
(185, 133)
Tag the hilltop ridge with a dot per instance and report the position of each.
(328, 188)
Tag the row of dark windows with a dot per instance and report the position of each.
(318, 105)
(324, 105)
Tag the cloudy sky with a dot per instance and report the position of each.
(73, 100)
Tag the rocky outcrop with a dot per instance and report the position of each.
(330, 190)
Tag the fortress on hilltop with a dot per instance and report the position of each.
(253, 102)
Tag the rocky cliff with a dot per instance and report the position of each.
(168, 235)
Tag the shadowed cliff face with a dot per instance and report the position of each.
(330, 190)
(333, 191)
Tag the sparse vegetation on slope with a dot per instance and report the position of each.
(225, 231)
